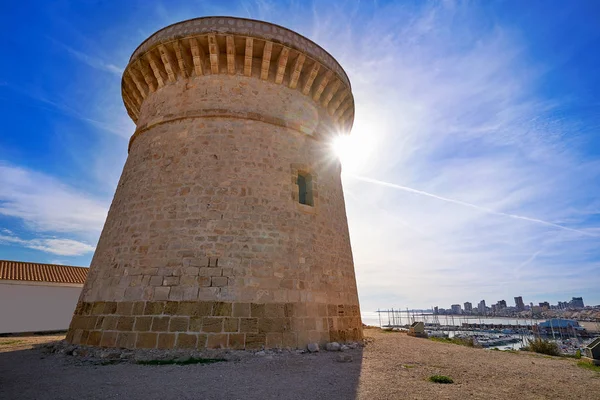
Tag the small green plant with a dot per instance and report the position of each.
(187, 361)
(577, 355)
(440, 379)
(455, 340)
(539, 345)
(589, 366)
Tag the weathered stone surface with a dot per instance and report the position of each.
(186, 341)
(207, 243)
(166, 340)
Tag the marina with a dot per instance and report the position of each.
(488, 332)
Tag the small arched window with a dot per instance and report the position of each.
(305, 192)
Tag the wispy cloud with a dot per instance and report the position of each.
(120, 124)
(90, 60)
(62, 247)
(45, 204)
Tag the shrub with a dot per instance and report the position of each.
(539, 345)
(440, 379)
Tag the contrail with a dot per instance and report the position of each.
(530, 259)
(462, 203)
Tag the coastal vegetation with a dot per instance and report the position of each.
(542, 346)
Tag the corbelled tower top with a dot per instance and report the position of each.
(227, 45)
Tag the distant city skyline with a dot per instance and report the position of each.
(576, 302)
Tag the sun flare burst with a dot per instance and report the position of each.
(353, 150)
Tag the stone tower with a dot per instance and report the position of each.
(228, 227)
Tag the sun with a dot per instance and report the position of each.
(349, 151)
(357, 151)
(342, 147)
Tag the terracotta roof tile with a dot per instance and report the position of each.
(25, 271)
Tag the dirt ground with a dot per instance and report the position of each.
(391, 366)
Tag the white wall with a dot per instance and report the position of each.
(36, 307)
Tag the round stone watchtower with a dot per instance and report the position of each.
(228, 227)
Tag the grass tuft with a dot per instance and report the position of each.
(440, 379)
(10, 342)
(539, 345)
(188, 361)
(587, 365)
(460, 341)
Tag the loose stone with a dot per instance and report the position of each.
(333, 346)
(344, 358)
(313, 347)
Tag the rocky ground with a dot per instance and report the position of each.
(390, 366)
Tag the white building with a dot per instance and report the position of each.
(38, 297)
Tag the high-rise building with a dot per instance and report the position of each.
(481, 307)
(468, 307)
(562, 305)
(456, 309)
(545, 305)
(501, 305)
(519, 303)
(577, 302)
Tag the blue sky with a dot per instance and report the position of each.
(472, 172)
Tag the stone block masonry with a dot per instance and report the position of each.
(211, 241)
(202, 324)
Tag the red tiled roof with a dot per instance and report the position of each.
(25, 271)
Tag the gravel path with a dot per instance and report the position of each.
(391, 366)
